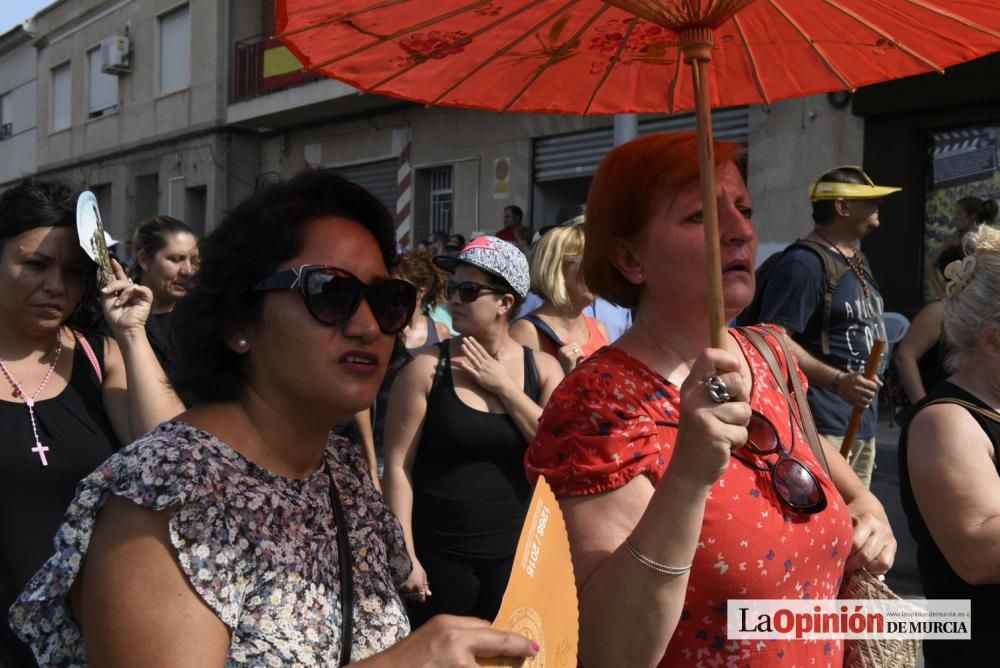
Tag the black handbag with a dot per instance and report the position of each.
(346, 574)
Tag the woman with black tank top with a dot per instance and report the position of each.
(68, 398)
(165, 261)
(949, 458)
(460, 418)
(417, 268)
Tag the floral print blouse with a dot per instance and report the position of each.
(613, 418)
(260, 550)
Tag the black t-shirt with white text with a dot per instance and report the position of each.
(793, 298)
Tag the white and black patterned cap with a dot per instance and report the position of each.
(494, 256)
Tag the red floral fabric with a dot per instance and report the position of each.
(599, 430)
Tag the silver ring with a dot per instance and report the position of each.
(717, 390)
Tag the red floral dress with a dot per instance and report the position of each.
(614, 418)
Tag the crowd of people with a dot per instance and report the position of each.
(291, 443)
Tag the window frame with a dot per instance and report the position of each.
(160, 60)
(105, 111)
(9, 118)
(68, 66)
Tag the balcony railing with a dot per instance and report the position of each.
(263, 65)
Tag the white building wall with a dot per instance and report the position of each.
(18, 79)
(178, 135)
(791, 145)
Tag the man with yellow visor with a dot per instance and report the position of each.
(823, 293)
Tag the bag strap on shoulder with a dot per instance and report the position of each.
(532, 381)
(88, 350)
(544, 329)
(979, 410)
(346, 573)
(444, 359)
(796, 397)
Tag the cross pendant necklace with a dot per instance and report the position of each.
(39, 449)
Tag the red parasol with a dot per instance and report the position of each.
(629, 56)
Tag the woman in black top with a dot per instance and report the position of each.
(460, 417)
(166, 259)
(950, 476)
(68, 397)
(417, 268)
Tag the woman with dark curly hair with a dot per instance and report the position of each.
(417, 268)
(243, 533)
(70, 396)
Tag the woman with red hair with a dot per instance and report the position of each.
(683, 474)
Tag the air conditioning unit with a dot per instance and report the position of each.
(6, 131)
(116, 55)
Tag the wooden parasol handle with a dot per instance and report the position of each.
(852, 427)
(697, 47)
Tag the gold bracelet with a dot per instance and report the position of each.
(655, 565)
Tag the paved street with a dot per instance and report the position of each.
(885, 484)
(903, 577)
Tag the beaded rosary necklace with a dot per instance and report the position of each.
(30, 401)
(854, 262)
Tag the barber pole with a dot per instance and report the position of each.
(404, 196)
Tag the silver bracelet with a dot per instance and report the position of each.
(655, 565)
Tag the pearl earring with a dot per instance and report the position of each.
(241, 343)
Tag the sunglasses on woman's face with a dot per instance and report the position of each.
(332, 295)
(794, 484)
(468, 291)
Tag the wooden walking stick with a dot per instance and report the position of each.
(870, 369)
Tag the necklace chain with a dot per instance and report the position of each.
(854, 262)
(39, 449)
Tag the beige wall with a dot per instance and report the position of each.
(195, 163)
(179, 135)
(17, 79)
(70, 29)
(790, 146)
(468, 140)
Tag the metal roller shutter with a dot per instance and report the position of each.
(378, 178)
(578, 154)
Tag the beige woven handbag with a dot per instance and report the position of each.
(875, 652)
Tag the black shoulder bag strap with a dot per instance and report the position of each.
(346, 575)
(444, 359)
(532, 382)
(544, 328)
(798, 400)
(968, 405)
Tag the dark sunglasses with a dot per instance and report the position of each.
(468, 291)
(332, 295)
(794, 484)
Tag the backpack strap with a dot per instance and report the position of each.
(796, 397)
(979, 410)
(544, 329)
(85, 346)
(833, 271)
